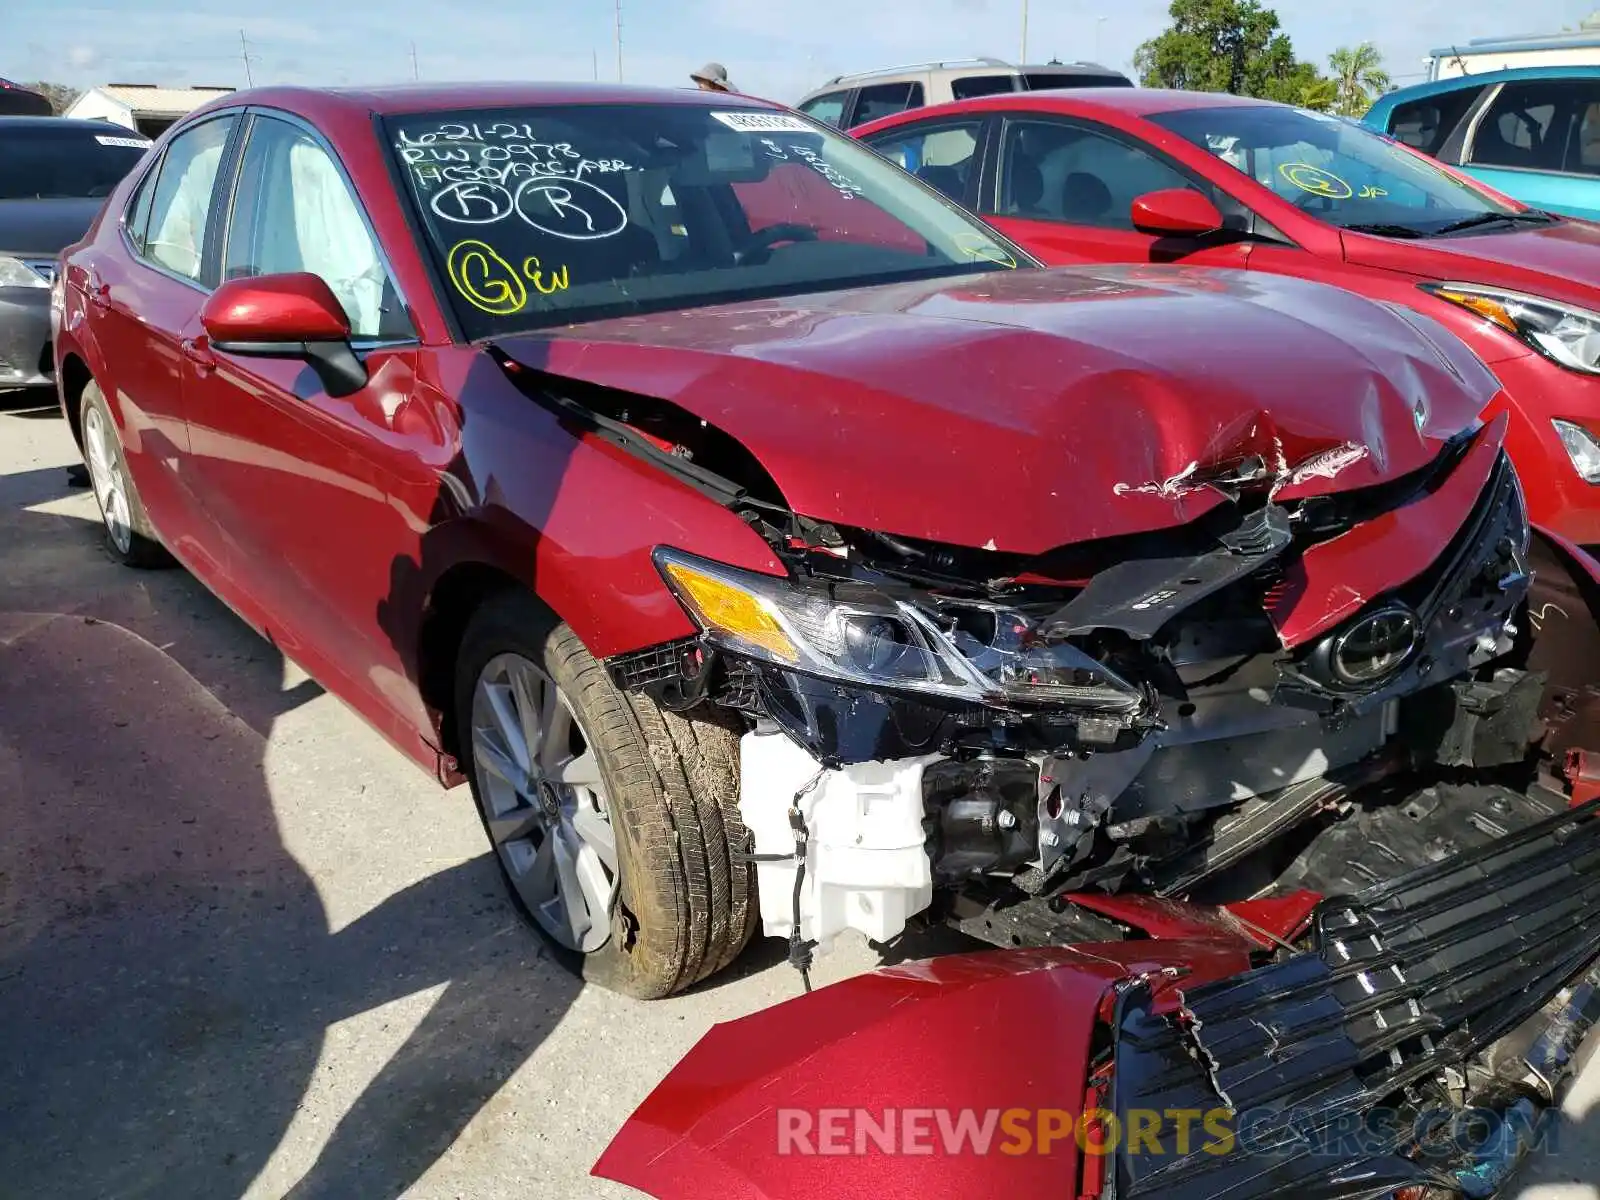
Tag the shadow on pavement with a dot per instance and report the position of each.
(168, 973)
(166, 968)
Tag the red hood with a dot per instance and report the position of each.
(1560, 260)
(939, 1036)
(1026, 410)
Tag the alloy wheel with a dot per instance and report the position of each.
(105, 475)
(544, 801)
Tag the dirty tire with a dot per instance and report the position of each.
(136, 545)
(686, 907)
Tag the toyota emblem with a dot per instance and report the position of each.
(1375, 646)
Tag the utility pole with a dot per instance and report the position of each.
(244, 52)
(414, 73)
(595, 55)
(1022, 55)
(1098, 21)
(619, 41)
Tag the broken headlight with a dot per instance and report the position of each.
(859, 635)
(1565, 334)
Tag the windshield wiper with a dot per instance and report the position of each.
(1394, 231)
(1489, 218)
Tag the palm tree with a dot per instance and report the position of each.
(1320, 94)
(1359, 73)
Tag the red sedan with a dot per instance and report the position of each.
(768, 541)
(1134, 175)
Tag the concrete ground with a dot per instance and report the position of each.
(246, 950)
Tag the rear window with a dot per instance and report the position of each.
(969, 86)
(1043, 81)
(46, 161)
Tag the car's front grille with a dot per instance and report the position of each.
(1407, 978)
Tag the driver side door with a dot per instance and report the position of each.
(322, 499)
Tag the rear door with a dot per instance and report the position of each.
(323, 500)
(1539, 142)
(1065, 189)
(144, 290)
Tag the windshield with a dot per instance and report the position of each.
(554, 214)
(48, 161)
(1336, 170)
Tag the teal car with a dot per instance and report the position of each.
(1531, 133)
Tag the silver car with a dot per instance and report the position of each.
(850, 100)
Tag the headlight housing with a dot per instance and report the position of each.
(852, 632)
(1563, 333)
(16, 273)
(1582, 447)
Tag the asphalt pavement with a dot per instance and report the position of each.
(247, 950)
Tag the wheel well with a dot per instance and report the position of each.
(75, 377)
(459, 593)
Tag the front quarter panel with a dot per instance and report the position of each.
(574, 518)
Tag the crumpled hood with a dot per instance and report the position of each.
(1021, 411)
(1564, 258)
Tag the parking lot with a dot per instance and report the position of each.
(247, 950)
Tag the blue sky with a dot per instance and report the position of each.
(775, 48)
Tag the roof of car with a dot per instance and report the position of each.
(430, 97)
(1480, 78)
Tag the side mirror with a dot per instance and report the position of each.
(1176, 212)
(294, 315)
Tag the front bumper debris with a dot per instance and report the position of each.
(1327, 1059)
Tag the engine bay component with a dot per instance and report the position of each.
(866, 864)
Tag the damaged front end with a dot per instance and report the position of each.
(1142, 713)
(1413, 1043)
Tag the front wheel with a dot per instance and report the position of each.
(611, 817)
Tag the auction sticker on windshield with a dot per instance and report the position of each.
(763, 122)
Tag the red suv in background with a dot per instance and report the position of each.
(1135, 175)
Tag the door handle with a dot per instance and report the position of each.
(202, 358)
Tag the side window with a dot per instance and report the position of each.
(944, 155)
(969, 86)
(886, 99)
(1524, 127)
(1584, 155)
(137, 219)
(293, 211)
(181, 199)
(1053, 171)
(1427, 124)
(828, 109)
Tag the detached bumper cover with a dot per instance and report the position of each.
(1408, 978)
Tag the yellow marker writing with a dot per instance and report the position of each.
(486, 280)
(1316, 181)
(535, 273)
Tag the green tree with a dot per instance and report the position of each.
(1359, 75)
(1223, 46)
(60, 95)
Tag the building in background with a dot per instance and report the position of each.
(145, 107)
(1574, 48)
